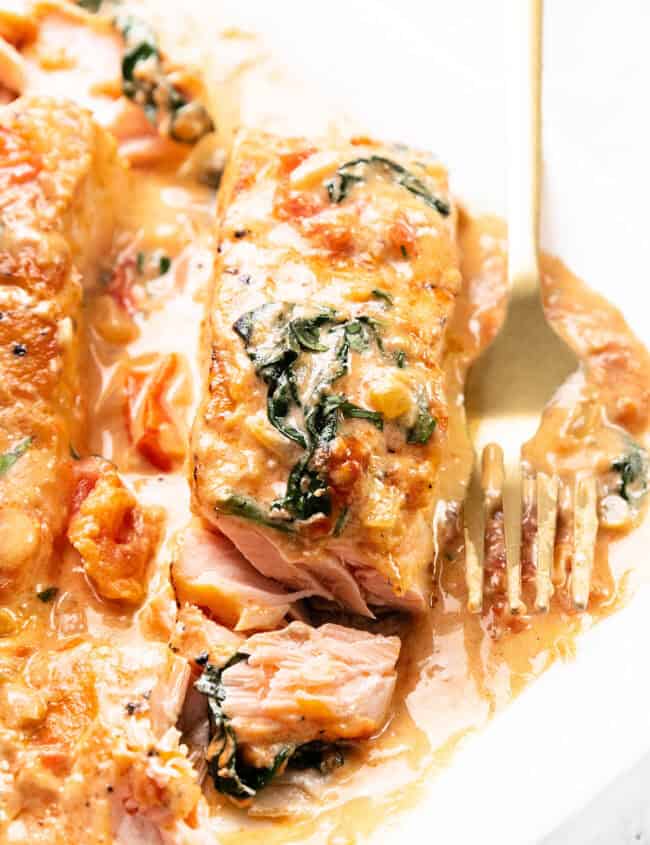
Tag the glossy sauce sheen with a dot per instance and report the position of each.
(456, 669)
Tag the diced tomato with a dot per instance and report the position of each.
(401, 238)
(337, 238)
(247, 175)
(289, 205)
(363, 141)
(114, 535)
(151, 421)
(85, 475)
(289, 161)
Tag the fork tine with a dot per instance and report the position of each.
(547, 493)
(584, 538)
(493, 482)
(563, 535)
(473, 575)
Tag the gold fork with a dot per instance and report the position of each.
(510, 384)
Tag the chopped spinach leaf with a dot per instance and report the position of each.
(276, 339)
(322, 756)
(248, 509)
(307, 492)
(382, 294)
(140, 45)
(341, 521)
(221, 753)
(281, 394)
(353, 172)
(47, 594)
(632, 468)
(423, 427)
(8, 459)
(306, 332)
(145, 81)
(332, 403)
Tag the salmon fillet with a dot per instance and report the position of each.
(322, 427)
(210, 572)
(58, 171)
(288, 695)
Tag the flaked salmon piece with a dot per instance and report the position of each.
(209, 571)
(302, 683)
(112, 65)
(289, 694)
(322, 428)
(58, 172)
(330, 579)
(101, 720)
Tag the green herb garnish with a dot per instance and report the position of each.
(353, 172)
(8, 459)
(139, 262)
(424, 425)
(323, 341)
(145, 82)
(633, 470)
(164, 264)
(47, 594)
(382, 294)
(248, 509)
(318, 755)
(90, 5)
(341, 521)
(400, 358)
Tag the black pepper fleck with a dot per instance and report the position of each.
(240, 233)
(202, 658)
(19, 349)
(245, 279)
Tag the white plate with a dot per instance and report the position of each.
(431, 73)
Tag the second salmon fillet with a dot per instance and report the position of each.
(317, 445)
(58, 171)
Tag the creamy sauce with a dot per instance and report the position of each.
(456, 669)
(469, 667)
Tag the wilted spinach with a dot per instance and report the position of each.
(632, 467)
(145, 82)
(353, 172)
(9, 458)
(312, 421)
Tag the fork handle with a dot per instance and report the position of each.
(523, 69)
